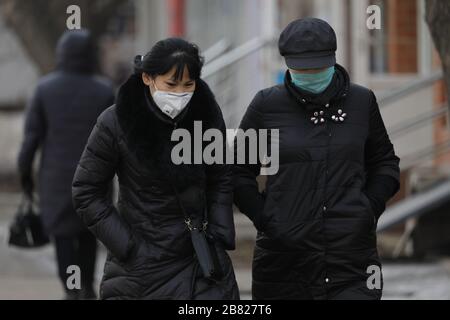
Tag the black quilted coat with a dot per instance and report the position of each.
(150, 254)
(316, 220)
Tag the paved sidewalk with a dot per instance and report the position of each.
(31, 274)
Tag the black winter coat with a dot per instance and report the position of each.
(315, 219)
(59, 119)
(150, 254)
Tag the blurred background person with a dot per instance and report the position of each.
(59, 118)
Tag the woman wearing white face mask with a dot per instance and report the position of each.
(150, 249)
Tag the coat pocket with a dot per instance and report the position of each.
(268, 211)
(139, 257)
(369, 208)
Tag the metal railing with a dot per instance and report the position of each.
(409, 88)
(422, 119)
(423, 202)
(235, 55)
(418, 121)
(216, 50)
(417, 157)
(415, 206)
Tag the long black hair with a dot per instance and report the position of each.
(167, 54)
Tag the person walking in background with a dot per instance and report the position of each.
(59, 119)
(318, 215)
(150, 250)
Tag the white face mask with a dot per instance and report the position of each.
(171, 103)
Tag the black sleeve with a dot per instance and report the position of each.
(379, 190)
(90, 190)
(382, 165)
(34, 133)
(220, 196)
(246, 195)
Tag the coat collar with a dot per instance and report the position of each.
(337, 90)
(147, 130)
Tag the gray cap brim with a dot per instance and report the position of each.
(311, 62)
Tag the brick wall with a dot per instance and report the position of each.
(402, 36)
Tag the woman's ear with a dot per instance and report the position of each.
(146, 79)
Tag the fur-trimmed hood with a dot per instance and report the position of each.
(147, 130)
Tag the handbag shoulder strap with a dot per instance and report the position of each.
(187, 217)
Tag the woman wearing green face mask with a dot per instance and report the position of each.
(312, 80)
(317, 217)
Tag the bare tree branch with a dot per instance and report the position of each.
(39, 23)
(438, 19)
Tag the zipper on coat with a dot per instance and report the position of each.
(326, 279)
(327, 161)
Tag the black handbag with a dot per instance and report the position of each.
(202, 241)
(26, 230)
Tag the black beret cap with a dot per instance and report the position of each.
(308, 43)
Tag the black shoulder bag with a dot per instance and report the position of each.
(202, 241)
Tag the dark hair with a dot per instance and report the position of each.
(169, 53)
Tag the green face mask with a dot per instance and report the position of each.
(313, 82)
